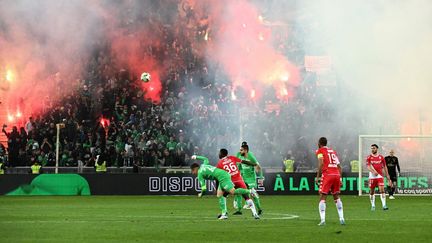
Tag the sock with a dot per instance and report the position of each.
(256, 199)
(241, 191)
(383, 199)
(322, 208)
(393, 190)
(238, 201)
(339, 208)
(252, 206)
(372, 200)
(222, 205)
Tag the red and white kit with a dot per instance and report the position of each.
(378, 163)
(229, 164)
(330, 179)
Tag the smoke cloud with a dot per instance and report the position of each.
(242, 44)
(48, 48)
(44, 45)
(381, 51)
(378, 80)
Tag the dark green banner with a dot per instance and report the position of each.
(183, 184)
(51, 184)
(304, 183)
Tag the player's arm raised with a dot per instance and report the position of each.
(252, 161)
(204, 160)
(320, 165)
(237, 160)
(248, 162)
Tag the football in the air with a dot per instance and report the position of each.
(145, 77)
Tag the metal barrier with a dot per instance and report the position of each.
(117, 170)
(89, 170)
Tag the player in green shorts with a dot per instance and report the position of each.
(207, 172)
(249, 177)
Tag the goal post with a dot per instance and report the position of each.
(415, 158)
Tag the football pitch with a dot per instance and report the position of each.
(192, 219)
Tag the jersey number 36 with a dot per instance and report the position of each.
(230, 168)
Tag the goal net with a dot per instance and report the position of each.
(414, 153)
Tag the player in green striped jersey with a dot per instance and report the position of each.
(207, 172)
(249, 176)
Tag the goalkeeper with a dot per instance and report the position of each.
(249, 177)
(207, 172)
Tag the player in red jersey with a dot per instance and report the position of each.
(329, 174)
(376, 164)
(229, 164)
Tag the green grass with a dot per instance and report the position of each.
(164, 218)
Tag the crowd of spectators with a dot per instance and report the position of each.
(107, 114)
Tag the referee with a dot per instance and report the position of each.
(392, 163)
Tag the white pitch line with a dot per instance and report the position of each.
(163, 217)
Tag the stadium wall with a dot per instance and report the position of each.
(180, 184)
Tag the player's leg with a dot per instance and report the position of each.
(394, 182)
(372, 185)
(240, 191)
(338, 202)
(227, 185)
(392, 189)
(389, 189)
(238, 199)
(322, 208)
(324, 189)
(249, 202)
(251, 184)
(255, 196)
(238, 203)
(383, 197)
(382, 192)
(225, 195)
(222, 203)
(256, 200)
(339, 208)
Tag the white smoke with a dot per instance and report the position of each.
(380, 49)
